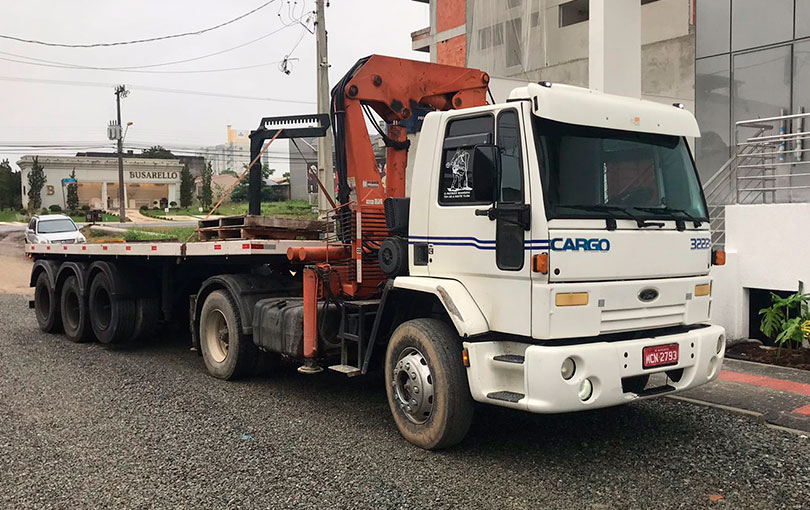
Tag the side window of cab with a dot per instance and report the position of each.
(456, 186)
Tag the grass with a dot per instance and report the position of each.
(141, 234)
(290, 209)
(12, 215)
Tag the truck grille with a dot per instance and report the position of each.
(642, 318)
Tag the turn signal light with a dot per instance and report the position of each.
(718, 258)
(703, 290)
(571, 299)
(540, 263)
(465, 357)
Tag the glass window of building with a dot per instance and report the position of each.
(761, 84)
(759, 23)
(802, 18)
(713, 27)
(801, 77)
(713, 103)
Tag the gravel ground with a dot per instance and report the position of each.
(84, 427)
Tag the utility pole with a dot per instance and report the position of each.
(325, 170)
(121, 91)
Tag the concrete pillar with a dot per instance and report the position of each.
(614, 53)
(104, 195)
(172, 193)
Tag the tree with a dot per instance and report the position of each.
(229, 172)
(186, 187)
(206, 195)
(36, 180)
(240, 192)
(157, 152)
(10, 187)
(72, 200)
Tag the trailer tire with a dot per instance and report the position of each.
(75, 312)
(228, 353)
(147, 313)
(46, 304)
(426, 384)
(111, 316)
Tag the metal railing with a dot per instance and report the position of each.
(768, 166)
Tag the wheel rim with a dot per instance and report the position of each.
(413, 385)
(217, 337)
(71, 309)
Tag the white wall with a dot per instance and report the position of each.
(767, 248)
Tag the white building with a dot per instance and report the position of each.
(146, 180)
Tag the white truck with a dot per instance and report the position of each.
(553, 255)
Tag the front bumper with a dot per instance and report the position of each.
(527, 376)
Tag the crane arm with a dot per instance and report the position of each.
(393, 88)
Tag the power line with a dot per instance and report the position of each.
(161, 64)
(151, 89)
(197, 71)
(136, 41)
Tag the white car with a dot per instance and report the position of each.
(53, 228)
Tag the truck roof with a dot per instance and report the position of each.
(586, 107)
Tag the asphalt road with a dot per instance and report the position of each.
(85, 427)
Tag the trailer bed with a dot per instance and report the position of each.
(237, 247)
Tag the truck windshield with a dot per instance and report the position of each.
(55, 226)
(591, 172)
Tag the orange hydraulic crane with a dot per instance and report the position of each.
(393, 88)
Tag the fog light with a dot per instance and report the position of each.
(585, 390)
(568, 369)
(721, 341)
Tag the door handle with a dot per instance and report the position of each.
(489, 213)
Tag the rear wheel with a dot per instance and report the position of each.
(112, 317)
(227, 352)
(146, 317)
(46, 305)
(426, 384)
(75, 314)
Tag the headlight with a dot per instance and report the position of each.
(81, 239)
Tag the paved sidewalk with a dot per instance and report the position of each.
(779, 395)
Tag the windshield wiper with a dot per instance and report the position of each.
(614, 208)
(695, 221)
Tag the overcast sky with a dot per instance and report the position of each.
(35, 110)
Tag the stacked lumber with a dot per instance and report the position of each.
(259, 227)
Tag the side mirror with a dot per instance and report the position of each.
(486, 165)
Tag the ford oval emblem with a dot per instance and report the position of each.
(648, 295)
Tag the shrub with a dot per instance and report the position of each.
(56, 208)
(787, 320)
(85, 208)
(172, 204)
(144, 208)
(44, 211)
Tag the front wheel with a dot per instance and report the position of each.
(227, 352)
(426, 384)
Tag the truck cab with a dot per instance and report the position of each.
(569, 229)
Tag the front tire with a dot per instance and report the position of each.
(46, 305)
(426, 384)
(228, 353)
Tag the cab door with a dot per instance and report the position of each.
(467, 239)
